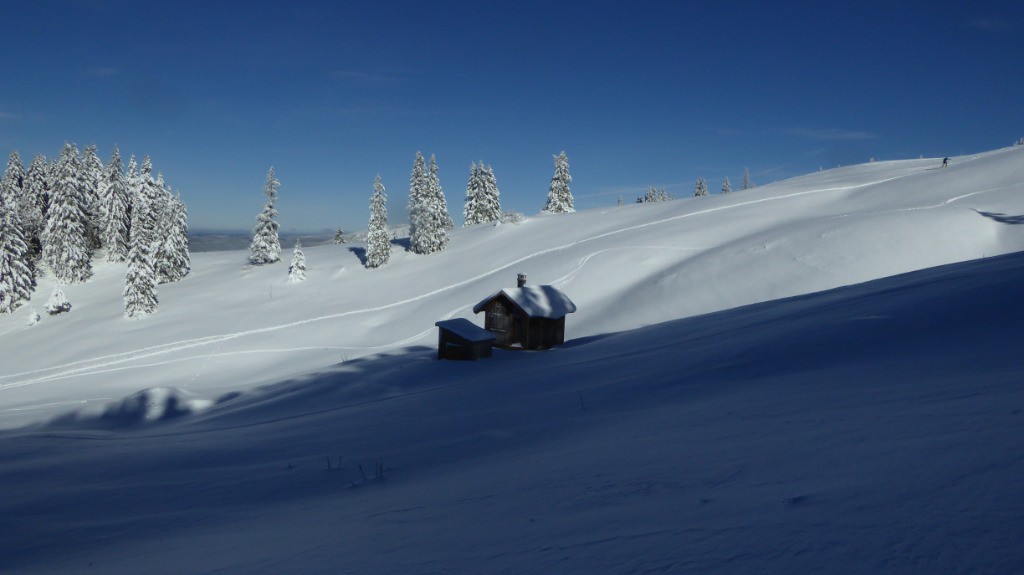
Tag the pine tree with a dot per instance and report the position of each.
(17, 277)
(140, 297)
(266, 246)
(560, 199)
(91, 181)
(491, 192)
(51, 176)
(65, 246)
(12, 183)
(654, 194)
(147, 202)
(173, 261)
(34, 203)
(726, 186)
(116, 208)
(58, 302)
(471, 211)
(483, 200)
(133, 187)
(297, 271)
(746, 180)
(378, 244)
(418, 191)
(700, 189)
(162, 206)
(430, 233)
(440, 203)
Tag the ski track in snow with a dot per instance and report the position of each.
(567, 278)
(105, 364)
(932, 207)
(55, 404)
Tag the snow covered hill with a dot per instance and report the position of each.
(230, 327)
(722, 403)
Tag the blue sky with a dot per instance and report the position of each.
(637, 94)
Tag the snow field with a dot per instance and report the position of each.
(778, 379)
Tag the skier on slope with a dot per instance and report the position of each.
(945, 161)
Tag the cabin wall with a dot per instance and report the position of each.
(542, 333)
(499, 321)
(451, 346)
(510, 327)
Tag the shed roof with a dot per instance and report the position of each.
(535, 301)
(466, 329)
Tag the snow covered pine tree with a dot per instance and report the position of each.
(437, 205)
(13, 181)
(34, 202)
(297, 271)
(378, 243)
(654, 195)
(140, 295)
(700, 189)
(65, 246)
(173, 259)
(429, 221)
(471, 209)
(560, 199)
(140, 298)
(117, 206)
(483, 200)
(58, 302)
(91, 182)
(266, 246)
(417, 193)
(17, 280)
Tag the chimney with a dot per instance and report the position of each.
(521, 280)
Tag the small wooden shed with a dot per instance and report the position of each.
(527, 317)
(462, 339)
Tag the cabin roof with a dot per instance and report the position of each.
(535, 301)
(466, 329)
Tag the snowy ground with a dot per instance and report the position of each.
(724, 404)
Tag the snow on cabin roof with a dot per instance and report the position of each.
(466, 329)
(535, 301)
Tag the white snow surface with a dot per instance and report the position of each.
(819, 375)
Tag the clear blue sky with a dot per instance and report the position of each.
(637, 93)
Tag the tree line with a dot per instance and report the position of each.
(700, 189)
(429, 220)
(57, 215)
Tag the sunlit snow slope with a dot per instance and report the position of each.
(871, 428)
(231, 327)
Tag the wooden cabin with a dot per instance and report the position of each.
(526, 317)
(462, 339)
